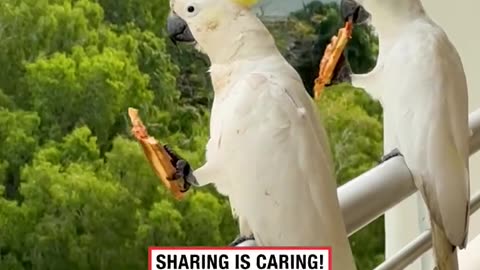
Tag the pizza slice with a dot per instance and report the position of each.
(158, 157)
(330, 58)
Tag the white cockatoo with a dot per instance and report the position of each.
(267, 150)
(420, 82)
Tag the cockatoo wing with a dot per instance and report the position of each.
(430, 111)
(281, 172)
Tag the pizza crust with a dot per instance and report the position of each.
(331, 56)
(157, 156)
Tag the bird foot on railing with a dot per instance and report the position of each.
(240, 239)
(394, 153)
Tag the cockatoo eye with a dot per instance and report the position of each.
(192, 10)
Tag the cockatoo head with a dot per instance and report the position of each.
(218, 27)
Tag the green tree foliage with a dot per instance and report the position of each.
(77, 192)
(147, 15)
(108, 82)
(18, 140)
(355, 131)
(303, 37)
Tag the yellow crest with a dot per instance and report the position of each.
(246, 3)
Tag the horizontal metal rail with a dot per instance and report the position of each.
(389, 183)
(415, 249)
(418, 246)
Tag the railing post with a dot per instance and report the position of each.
(420, 245)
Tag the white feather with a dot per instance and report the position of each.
(426, 108)
(267, 150)
(277, 159)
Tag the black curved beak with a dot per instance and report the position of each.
(350, 9)
(178, 30)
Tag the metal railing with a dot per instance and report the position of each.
(390, 183)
